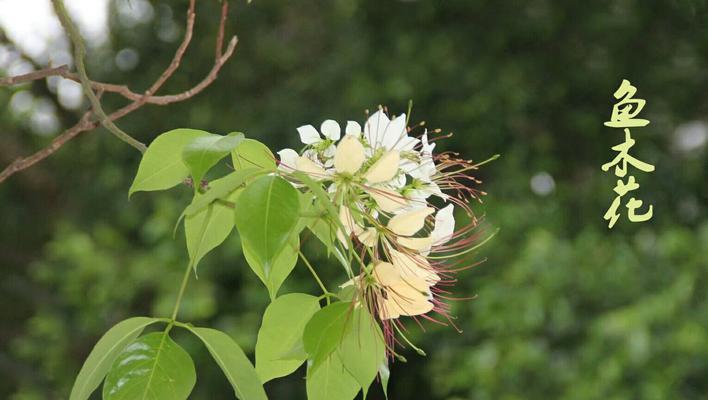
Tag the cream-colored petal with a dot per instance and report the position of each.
(331, 130)
(311, 168)
(386, 274)
(308, 134)
(413, 265)
(408, 297)
(369, 237)
(384, 169)
(410, 222)
(421, 244)
(350, 225)
(349, 155)
(388, 200)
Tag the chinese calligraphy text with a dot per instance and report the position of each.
(624, 116)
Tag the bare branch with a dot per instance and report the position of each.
(220, 34)
(24, 163)
(35, 75)
(79, 54)
(85, 124)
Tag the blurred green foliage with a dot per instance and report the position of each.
(565, 308)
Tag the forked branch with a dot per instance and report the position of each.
(87, 123)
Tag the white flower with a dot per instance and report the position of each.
(330, 130)
(381, 132)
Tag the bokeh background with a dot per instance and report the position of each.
(566, 308)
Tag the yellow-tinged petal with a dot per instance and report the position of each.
(414, 265)
(384, 169)
(418, 244)
(386, 274)
(388, 200)
(349, 155)
(350, 225)
(369, 237)
(410, 296)
(309, 167)
(408, 223)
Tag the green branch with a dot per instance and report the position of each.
(325, 292)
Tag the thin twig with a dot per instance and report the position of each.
(79, 54)
(85, 124)
(220, 34)
(34, 75)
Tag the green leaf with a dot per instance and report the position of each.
(231, 359)
(266, 214)
(220, 189)
(281, 332)
(325, 330)
(362, 349)
(153, 367)
(161, 166)
(384, 374)
(204, 152)
(280, 269)
(208, 228)
(104, 353)
(253, 154)
(330, 381)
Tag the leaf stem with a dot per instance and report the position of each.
(317, 278)
(178, 302)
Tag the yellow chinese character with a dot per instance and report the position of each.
(623, 158)
(621, 189)
(632, 205)
(627, 108)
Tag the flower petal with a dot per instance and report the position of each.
(386, 274)
(353, 128)
(384, 169)
(410, 222)
(388, 200)
(420, 244)
(413, 265)
(288, 160)
(308, 134)
(369, 237)
(409, 297)
(310, 167)
(394, 132)
(427, 147)
(407, 143)
(374, 128)
(350, 225)
(444, 225)
(349, 155)
(331, 130)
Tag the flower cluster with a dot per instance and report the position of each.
(396, 201)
